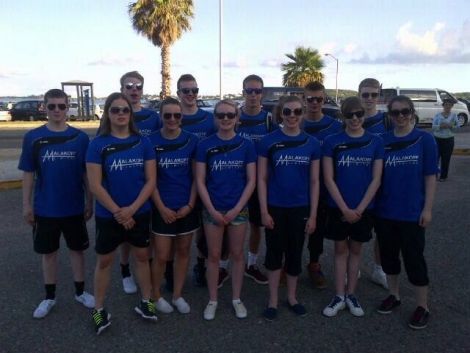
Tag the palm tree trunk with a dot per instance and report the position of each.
(166, 78)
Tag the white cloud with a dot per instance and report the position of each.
(111, 60)
(425, 43)
(350, 48)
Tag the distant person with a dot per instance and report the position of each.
(443, 127)
(352, 168)
(320, 126)
(121, 172)
(404, 206)
(53, 164)
(226, 178)
(288, 188)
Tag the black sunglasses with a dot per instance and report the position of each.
(167, 116)
(311, 99)
(138, 86)
(396, 112)
(359, 114)
(221, 116)
(367, 95)
(194, 90)
(61, 106)
(288, 112)
(253, 90)
(117, 110)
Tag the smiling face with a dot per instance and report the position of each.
(401, 114)
(291, 115)
(187, 93)
(226, 117)
(171, 117)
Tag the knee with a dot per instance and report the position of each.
(182, 252)
(141, 255)
(237, 256)
(214, 255)
(104, 262)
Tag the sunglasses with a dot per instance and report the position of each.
(367, 95)
(359, 114)
(311, 99)
(253, 90)
(221, 116)
(187, 90)
(117, 110)
(138, 86)
(61, 106)
(167, 116)
(288, 112)
(396, 112)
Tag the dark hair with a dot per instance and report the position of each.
(185, 77)
(314, 86)
(369, 82)
(350, 104)
(56, 93)
(253, 78)
(105, 125)
(401, 99)
(227, 102)
(280, 106)
(448, 101)
(133, 74)
(169, 101)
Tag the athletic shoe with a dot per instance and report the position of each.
(86, 299)
(43, 308)
(101, 320)
(223, 276)
(255, 274)
(239, 308)
(146, 309)
(297, 309)
(316, 275)
(129, 286)
(209, 311)
(336, 304)
(181, 305)
(379, 277)
(419, 319)
(354, 306)
(169, 280)
(388, 304)
(163, 306)
(199, 275)
(270, 314)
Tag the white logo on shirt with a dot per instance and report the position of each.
(347, 160)
(285, 160)
(173, 162)
(394, 161)
(121, 164)
(222, 165)
(51, 156)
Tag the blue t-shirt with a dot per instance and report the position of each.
(147, 121)
(226, 162)
(123, 166)
(353, 160)
(200, 124)
(58, 161)
(407, 160)
(375, 124)
(255, 127)
(289, 162)
(174, 167)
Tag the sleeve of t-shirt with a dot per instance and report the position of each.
(316, 153)
(430, 164)
(93, 154)
(380, 149)
(201, 152)
(251, 152)
(149, 152)
(26, 162)
(327, 148)
(85, 142)
(262, 148)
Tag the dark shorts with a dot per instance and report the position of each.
(47, 231)
(110, 234)
(182, 226)
(241, 218)
(338, 229)
(254, 209)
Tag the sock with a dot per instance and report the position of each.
(223, 264)
(236, 301)
(79, 287)
(252, 258)
(50, 291)
(378, 267)
(201, 261)
(125, 271)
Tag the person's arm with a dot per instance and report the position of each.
(167, 214)
(186, 209)
(245, 196)
(88, 212)
(95, 176)
(204, 194)
(429, 191)
(266, 218)
(314, 195)
(28, 182)
(374, 185)
(436, 126)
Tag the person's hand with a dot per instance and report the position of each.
(88, 211)
(28, 215)
(425, 218)
(310, 225)
(218, 218)
(267, 220)
(167, 214)
(123, 214)
(128, 224)
(183, 211)
(351, 216)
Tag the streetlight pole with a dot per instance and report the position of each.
(337, 64)
(220, 47)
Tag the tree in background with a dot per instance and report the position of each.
(163, 23)
(305, 66)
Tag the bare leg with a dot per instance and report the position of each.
(162, 249)
(421, 293)
(125, 250)
(273, 282)
(142, 271)
(292, 289)
(236, 236)
(102, 277)
(255, 238)
(392, 281)
(49, 267)
(214, 235)
(182, 247)
(341, 263)
(354, 261)
(77, 259)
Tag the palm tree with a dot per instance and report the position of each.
(305, 66)
(162, 22)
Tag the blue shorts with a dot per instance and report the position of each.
(241, 218)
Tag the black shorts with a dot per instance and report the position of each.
(182, 226)
(338, 229)
(47, 230)
(254, 209)
(110, 234)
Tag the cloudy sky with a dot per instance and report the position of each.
(402, 43)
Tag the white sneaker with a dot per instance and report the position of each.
(86, 299)
(129, 286)
(354, 306)
(43, 308)
(209, 311)
(379, 277)
(336, 304)
(181, 305)
(240, 310)
(163, 306)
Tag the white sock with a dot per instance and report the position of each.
(252, 258)
(236, 301)
(223, 264)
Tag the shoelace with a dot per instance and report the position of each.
(98, 317)
(335, 302)
(354, 301)
(150, 307)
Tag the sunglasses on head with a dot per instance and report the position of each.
(167, 116)
(288, 112)
(253, 90)
(61, 106)
(138, 86)
(367, 95)
(117, 110)
(229, 115)
(359, 114)
(396, 112)
(311, 99)
(194, 90)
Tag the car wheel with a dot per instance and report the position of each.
(462, 119)
(72, 117)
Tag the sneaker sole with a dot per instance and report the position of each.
(102, 328)
(150, 318)
(383, 312)
(255, 279)
(333, 315)
(417, 327)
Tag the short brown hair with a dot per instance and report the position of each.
(185, 77)
(314, 86)
(369, 82)
(351, 104)
(280, 105)
(253, 78)
(56, 93)
(133, 74)
(169, 101)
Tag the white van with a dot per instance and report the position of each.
(427, 102)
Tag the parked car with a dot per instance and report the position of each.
(207, 104)
(154, 104)
(427, 102)
(29, 110)
(99, 108)
(73, 111)
(4, 114)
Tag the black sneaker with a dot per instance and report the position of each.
(101, 320)
(419, 319)
(199, 275)
(388, 304)
(146, 310)
(270, 314)
(297, 309)
(169, 276)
